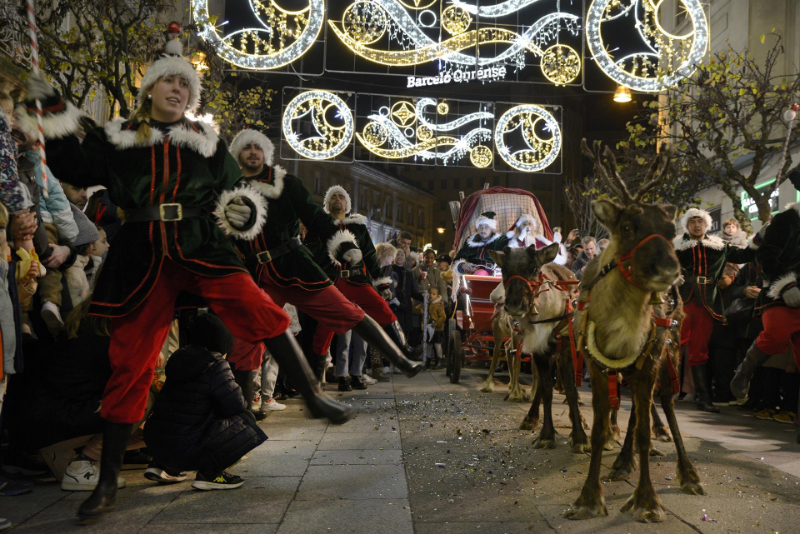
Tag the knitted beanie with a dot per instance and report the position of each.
(87, 231)
(208, 331)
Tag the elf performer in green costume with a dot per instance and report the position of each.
(702, 258)
(182, 195)
(778, 255)
(350, 259)
(284, 267)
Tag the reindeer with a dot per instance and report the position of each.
(506, 339)
(626, 326)
(538, 296)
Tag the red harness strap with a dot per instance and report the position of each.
(613, 389)
(628, 273)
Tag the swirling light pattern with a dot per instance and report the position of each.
(280, 38)
(330, 140)
(669, 57)
(539, 153)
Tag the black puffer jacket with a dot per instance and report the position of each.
(200, 420)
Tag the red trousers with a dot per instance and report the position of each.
(364, 296)
(246, 356)
(781, 328)
(137, 338)
(696, 332)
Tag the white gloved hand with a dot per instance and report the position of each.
(238, 213)
(792, 297)
(352, 256)
(38, 88)
(386, 294)
(680, 281)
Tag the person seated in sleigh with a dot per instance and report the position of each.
(473, 258)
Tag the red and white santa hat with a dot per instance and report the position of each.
(522, 220)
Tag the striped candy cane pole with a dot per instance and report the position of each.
(35, 59)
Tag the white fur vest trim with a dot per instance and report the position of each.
(203, 141)
(684, 242)
(777, 287)
(226, 197)
(275, 189)
(795, 207)
(334, 243)
(354, 218)
(471, 241)
(382, 281)
(55, 125)
(594, 351)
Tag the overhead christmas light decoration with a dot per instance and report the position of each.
(365, 23)
(539, 152)
(276, 38)
(330, 140)
(387, 135)
(668, 58)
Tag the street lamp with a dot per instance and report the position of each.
(623, 95)
(440, 230)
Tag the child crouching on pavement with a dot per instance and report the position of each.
(200, 420)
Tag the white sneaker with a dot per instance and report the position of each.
(271, 405)
(51, 315)
(82, 475)
(368, 380)
(386, 370)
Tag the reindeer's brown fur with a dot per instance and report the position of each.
(612, 298)
(502, 329)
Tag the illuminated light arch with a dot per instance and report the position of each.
(657, 40)
(540, 153)
(330, 140)
(311, 19)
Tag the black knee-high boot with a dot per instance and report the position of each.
(291, 360)
(701, 383)
(370, 331)
(395, 333)
(102, 499)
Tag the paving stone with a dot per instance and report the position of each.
(360, 441)
(373, 516)
(260, 500)
(484, 527)
(199, 528)
(353, 482)
(363, 457)
(277, 458)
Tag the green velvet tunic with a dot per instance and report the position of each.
(476, 251)
(707, 259)
(184, 163)
(288, 203)
(365, 271)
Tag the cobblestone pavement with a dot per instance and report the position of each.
(426, 456)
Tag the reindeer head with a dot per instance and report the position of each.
(520, 265)
(641, 234)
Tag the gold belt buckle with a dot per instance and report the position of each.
(702, 280)
(264, 257)
(172, 217)
(345, 273)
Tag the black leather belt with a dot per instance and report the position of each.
(269, 255)
(163, 212)
(703, 280)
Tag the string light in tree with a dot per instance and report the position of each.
(330, 140)
(539, 152)
(668, 58)
(279, 38)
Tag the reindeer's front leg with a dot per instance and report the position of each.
(547, 437)
(591, 503)
(578, 441)
(532, 418)
(625, 463)
(488, 385)
(644, 502)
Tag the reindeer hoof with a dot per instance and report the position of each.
(662, 434)
(544, 443)
(529, 424)
(616, 432)
(655, 452)
(651, 512)
(690, 483)
(487, 389)
(580, 445)
(577, 512)
(609, 444)
(620, 473)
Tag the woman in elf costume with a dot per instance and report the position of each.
(182, 194)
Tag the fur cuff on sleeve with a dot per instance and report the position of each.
(255, 198)
(382, 281)
(61, 120)
(780, 284)
(343, 239)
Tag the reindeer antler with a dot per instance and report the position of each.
(657, 171)
(606, 166)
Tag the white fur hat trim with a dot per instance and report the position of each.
(245, 137)
(696, 212)
(329, 193)
(173, 66)
(491, 223)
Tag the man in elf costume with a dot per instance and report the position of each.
(359, 278)
(702, 258)
(284, 268)
(474, 254)
(778, 254)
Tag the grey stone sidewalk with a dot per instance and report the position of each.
(426, 456)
